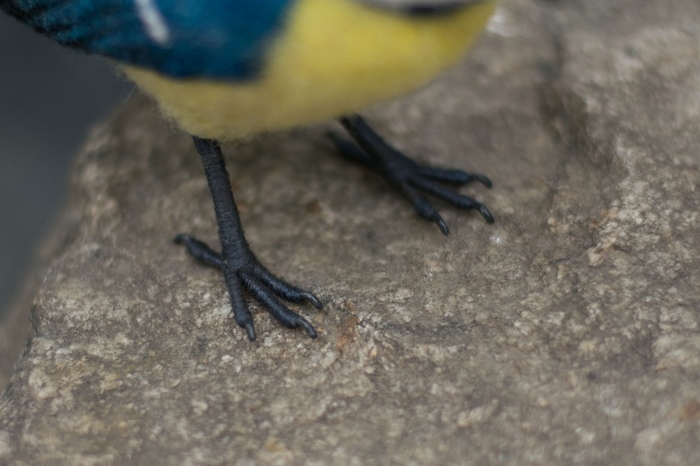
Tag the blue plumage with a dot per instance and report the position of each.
(224, 39)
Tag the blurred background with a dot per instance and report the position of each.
(49, 98)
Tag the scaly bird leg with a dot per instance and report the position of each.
(407, 176)
(240, 267)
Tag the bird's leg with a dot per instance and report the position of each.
(241, 269)
(407, 176)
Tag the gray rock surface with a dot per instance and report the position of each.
(14, 331)
(566, 333)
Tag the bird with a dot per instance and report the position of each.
(224, 70)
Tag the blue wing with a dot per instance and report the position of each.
(180, 38)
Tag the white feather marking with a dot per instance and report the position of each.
(153, 21)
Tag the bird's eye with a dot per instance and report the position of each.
(421, 7)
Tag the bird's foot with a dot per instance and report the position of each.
(242, 271)
(406, 175)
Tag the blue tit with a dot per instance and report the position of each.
(226, 69)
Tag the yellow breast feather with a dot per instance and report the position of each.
(334, 57)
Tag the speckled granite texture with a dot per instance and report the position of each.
(567, 333)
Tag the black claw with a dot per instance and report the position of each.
(250, 330)
(486, 213)
(315, 302)
(483, 180)
(442, 225)
(308, 327)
